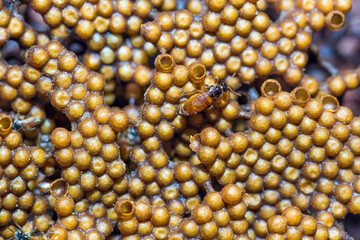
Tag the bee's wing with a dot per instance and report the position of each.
(190, 93)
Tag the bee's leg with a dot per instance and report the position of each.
(209, 108)
(208, 186)
(228, 132)
(182, 112)
(244, 114)
(217, 102)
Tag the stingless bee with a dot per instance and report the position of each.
(19, 234)
(200, 100)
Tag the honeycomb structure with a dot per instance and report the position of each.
(298, 151)
(155, 119)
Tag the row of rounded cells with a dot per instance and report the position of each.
(220, 216)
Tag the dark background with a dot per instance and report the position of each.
(342, 49)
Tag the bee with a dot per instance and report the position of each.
(27, 124)
(40, 185)
(201, 100)
(19, 234)
(30, 121)
(127, 140)
(45, 143)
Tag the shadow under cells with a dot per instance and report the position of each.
(352, 225)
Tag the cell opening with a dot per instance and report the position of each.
(59, 188)
(199, 71)
(124, 208)
(5, 123)
(164, 63)
(127, 207)
(270, 88)
(335, 20)
(330, 103)
(300, 96)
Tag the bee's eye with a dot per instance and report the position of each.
(16, 125)
(217, 92)
(224, 86)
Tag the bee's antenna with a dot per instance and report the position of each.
(231, 90)
(18, 226)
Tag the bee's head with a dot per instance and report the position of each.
(215, 91)
(224, 86)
